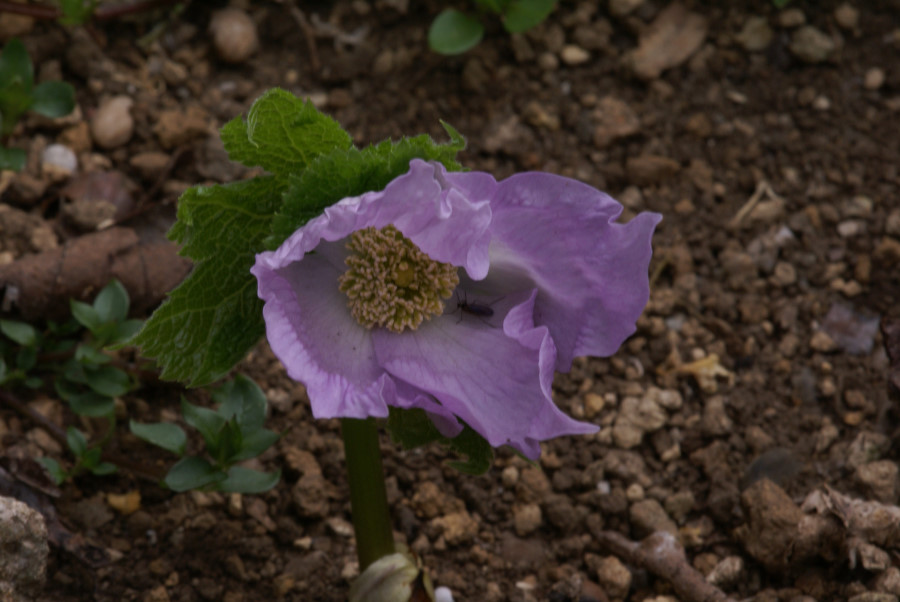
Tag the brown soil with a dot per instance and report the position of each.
(790, 403)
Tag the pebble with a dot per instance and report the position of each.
(58, 162)
(510, 476)
(457, 528)
(234, 35)
(650, 169)
(679, 505)
(791, 18)
(573, 55)
(548, 61)
(846, 16)
(645, 413)
(811, 44)
(756, 34)
(112, 124)
(675, 34)
(727, 572)
(178, 126)
(771, 519)
(715, 421)
(874, 78)
(880, 478)
(648, 516)
(621, 8)
(23, 539)
(784, 274)
(889, 581)
(150, 165)
(615, 120)
(873, 597)
(892, 224)
(614, 576)
(820, 341)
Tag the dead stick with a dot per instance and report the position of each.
(309, 34)
(661, 554)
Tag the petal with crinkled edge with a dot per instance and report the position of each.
(591, 271)
(496, 380)
(308, 324)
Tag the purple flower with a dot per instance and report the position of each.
(456, 294)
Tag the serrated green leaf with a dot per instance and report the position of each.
(12, 158)
(111, 303)
(192, 473)
(214, 317)
(243, 400)
(166, 435)
(247, 480)
(76, 441)
(454, 32)
(91, 404)
(522, 15)
(53, 99)
(20, 332)
(352, 172)
(282, 134)
(413, 428)
(107, 380)
(208, 422)
(124, 331)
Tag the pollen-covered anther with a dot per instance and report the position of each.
(391, 283)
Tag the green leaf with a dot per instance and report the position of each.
(454, 32)
(244, 400)
(247, 480)
(91, 458)
(166, 435)
(33, 382)
(104, 468)
(4, 371)
(107, 380)
(192, 473)
(254, 444)
(20, 332)
(522, 15)
(56, 472)
(124, 331)
(111, 303)
(26, 358)
(76, 12)
(353, 172)
(214, 317)
(208, 422)
(87, 354)
(282, 134)
(15, 66)
(12, 158)
(86, 315)
(413, 428)
(76, 441)
(53, 99)
(91, 404)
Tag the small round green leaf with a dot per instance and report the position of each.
(454, 32)
(107, 380)
(247, 480)
(111, 303)
(12, 158)
(56, 471)
(53, 99)
(522, 15)
(86, 315)
(15, 66)
(91, 404)
(20, 332)
(76, 441)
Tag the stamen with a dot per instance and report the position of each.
(391, 283)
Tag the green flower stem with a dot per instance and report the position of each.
(368, 496)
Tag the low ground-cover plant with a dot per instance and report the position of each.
(18, 94)
(454, 31)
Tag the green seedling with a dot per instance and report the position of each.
(87, 459)
(455, 32)
(77, 12)
(18, 94)
(232, 433)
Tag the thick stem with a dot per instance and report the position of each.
(368, 496)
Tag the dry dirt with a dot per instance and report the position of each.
(758, 375)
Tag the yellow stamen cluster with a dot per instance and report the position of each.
(391, 283)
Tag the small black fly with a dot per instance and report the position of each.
(474, 309)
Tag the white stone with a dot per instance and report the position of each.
(112, 125)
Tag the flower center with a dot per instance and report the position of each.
(391, 283)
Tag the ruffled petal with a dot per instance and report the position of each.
(311, 331)
(496, 380)
(591, 272)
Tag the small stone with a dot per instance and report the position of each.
(756, 34)
(826, 435)
(674, 35)
(177, 126)
(547, 61)
(791, 18)
(727, 572)
(625, 435)
(715, 421)
(892, 224)
(112, 124)
(635, 492)
(820, 341)
(771, 524)
(846, 16)
(784, 274)
(593, 404)
(874, 78)
(614, 577)
(15, 26)
(527, 519)
(866, 447)
(873, 597)
(150, 164)
(234, 35)
(615, 120)
(850, 228)
(125, 503)
(621, 8)
(650, 169)
(881, 480)
(573, 55)
(457, 528)
(645, 413)
(58, 162)
(510, 476)
(157, 594)
(821, 103)
(679, 505)
(648, 516)
(889, 581)
(811, 45)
